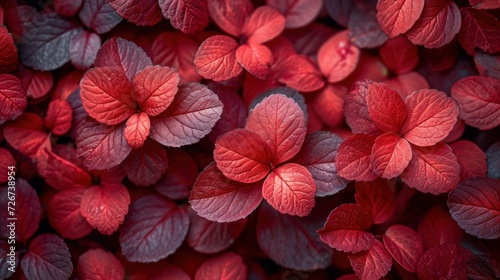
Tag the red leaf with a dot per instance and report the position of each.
(122, 55)
(179, 178)
(487, 64)
(6, 161)
(318, 156)
(59, 117)
(437, 26)
(256, 59)
(138, 12)
(364, 30)
(338, 57)
(209, 237)
(243, 156)
(189, 16)
(137, 129)
(61, 173)
(432, 170)
(8, 51)
(107, 95)
(404, 245)
(438, 227)
(154, 228)
(479, 29)
(145, 165)
(399, 55)
(296, 13)
(328, 105)
(65, 216)
(373, 263)
(408, 83)
(37, 84)
(83, 49)
(100, 146)
(281, 124)
(230, 15)
(264, 24)
(444, 261)
(98, 15)
(13, 99)
(430, 117)
(484, 4)
(300, 73)
(67, 8)
(48, 258)
(27, 135)
(356, 109)
(219, 199)
(397, 17)
(385, 107)
(170, 271)
(478, 100)
(354, 158)
(216, 58)
(190, 117)
(471, 159)
(234, 113)
(390, 155)
(99, 264)
(105, 207)
(226, 266)
(475, 205)
(346, 229)
(377, 197)
(292, 242)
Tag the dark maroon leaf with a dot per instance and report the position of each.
(145, 165)
(98, 15)
(83, 49)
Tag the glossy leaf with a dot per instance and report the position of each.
(216, 58)
(97, 263)
(397, 17)
(225, 266)
(390, 155)
(471, 159)
(373, 263)
(12, 97)
(8, 51)
(479, 29)
(145, 165)
(189, 16)
(98, 15)
(404, 245)
(377, 197)
(354, 158)
(83, 49)
(338, 57)
(446, 260)
(138, 12)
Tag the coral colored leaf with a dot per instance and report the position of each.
(107, 95)
(48, 258)
(179, 178)
(364, 30)
(300, 73)
(432, 170)
(354, 158)
(399, 55)
(230, 15)
(397, 17)
(154, 228)
(328, 105)
(377, 197)
(338, 57)
(297, 13)
(243, 156)
(83, 49)
(318, 156)
(36, 83)
(209, 237)
(408, 83)
(404, 245)
(61, 173)
(155, 88)
(105, 207)
(437, 26)
(216, 58)
(99, 264)
(292, 242)
(475, 205)
(219, 199)
(471, 159)
(487, 65)
(190, 117)
(234, 114)
(27, 135)
(137, 129)
(65, 216)
(98, 15)
(346, 229)
(479, 29)
(59, 117)
(138, 12)
(290, 189)
(189, 16)
(145, 165)
(478, 100)
(13, 98)
(264, 24)
(430, 117)
(281, 123)
(438, 227)
(45, 44)
(373, 263)
(390, 155)
(256, 59)
(8, 51)
(340, 10)
(6, 161)
(356, 109)
(67, 8)
(493, 160)
(444, 261)
(226, 266)
(123, 55)
(385, 107)
(100, 146)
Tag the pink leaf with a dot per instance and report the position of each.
(154, 228)
(399, 55)
(471, 159)
(98, 15)
(297, 13)
(385, 107)
(67, 8)
(338, 57)
(83, 49)
(404, 245)
(27, 135)
(219, 199)
(179, 178)
(137, 129)
(377, 197)
(356, 109)
(61, 173)
(373, 263)
(8, 51)
(479, 29)
(99, 264)
(300, 73)
(189, 16)
(346, 229)
(354, 158)
(226, 266)
(145, 165)
(190, 117)
(444, 261)
(216, 58)
(59, 117)
(264, 24)
(432, 170)
(390, 155)
(13, 98)
(256, 59)
(138, 12)
(397, 17)
(408, 83)
(438, 227)
(328, 105)
(475, 205)
(431, 115)
(281, 124)
(230, 15)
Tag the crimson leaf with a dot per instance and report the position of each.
(137, 11)
(225, 266)
(377, 197)
(8, 51)
(479, 29)
(27, 135)
(397, 17)
(471, 159)
(216, 58)
(354, 158)
(189, 16)
(404, 245)
(145, 165)
(338, 57)
(390, 155)
(13, 98)
(65, 216)
(373, 263)
(99, 264)
(444, 261)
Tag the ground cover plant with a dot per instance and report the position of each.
(239, 139)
